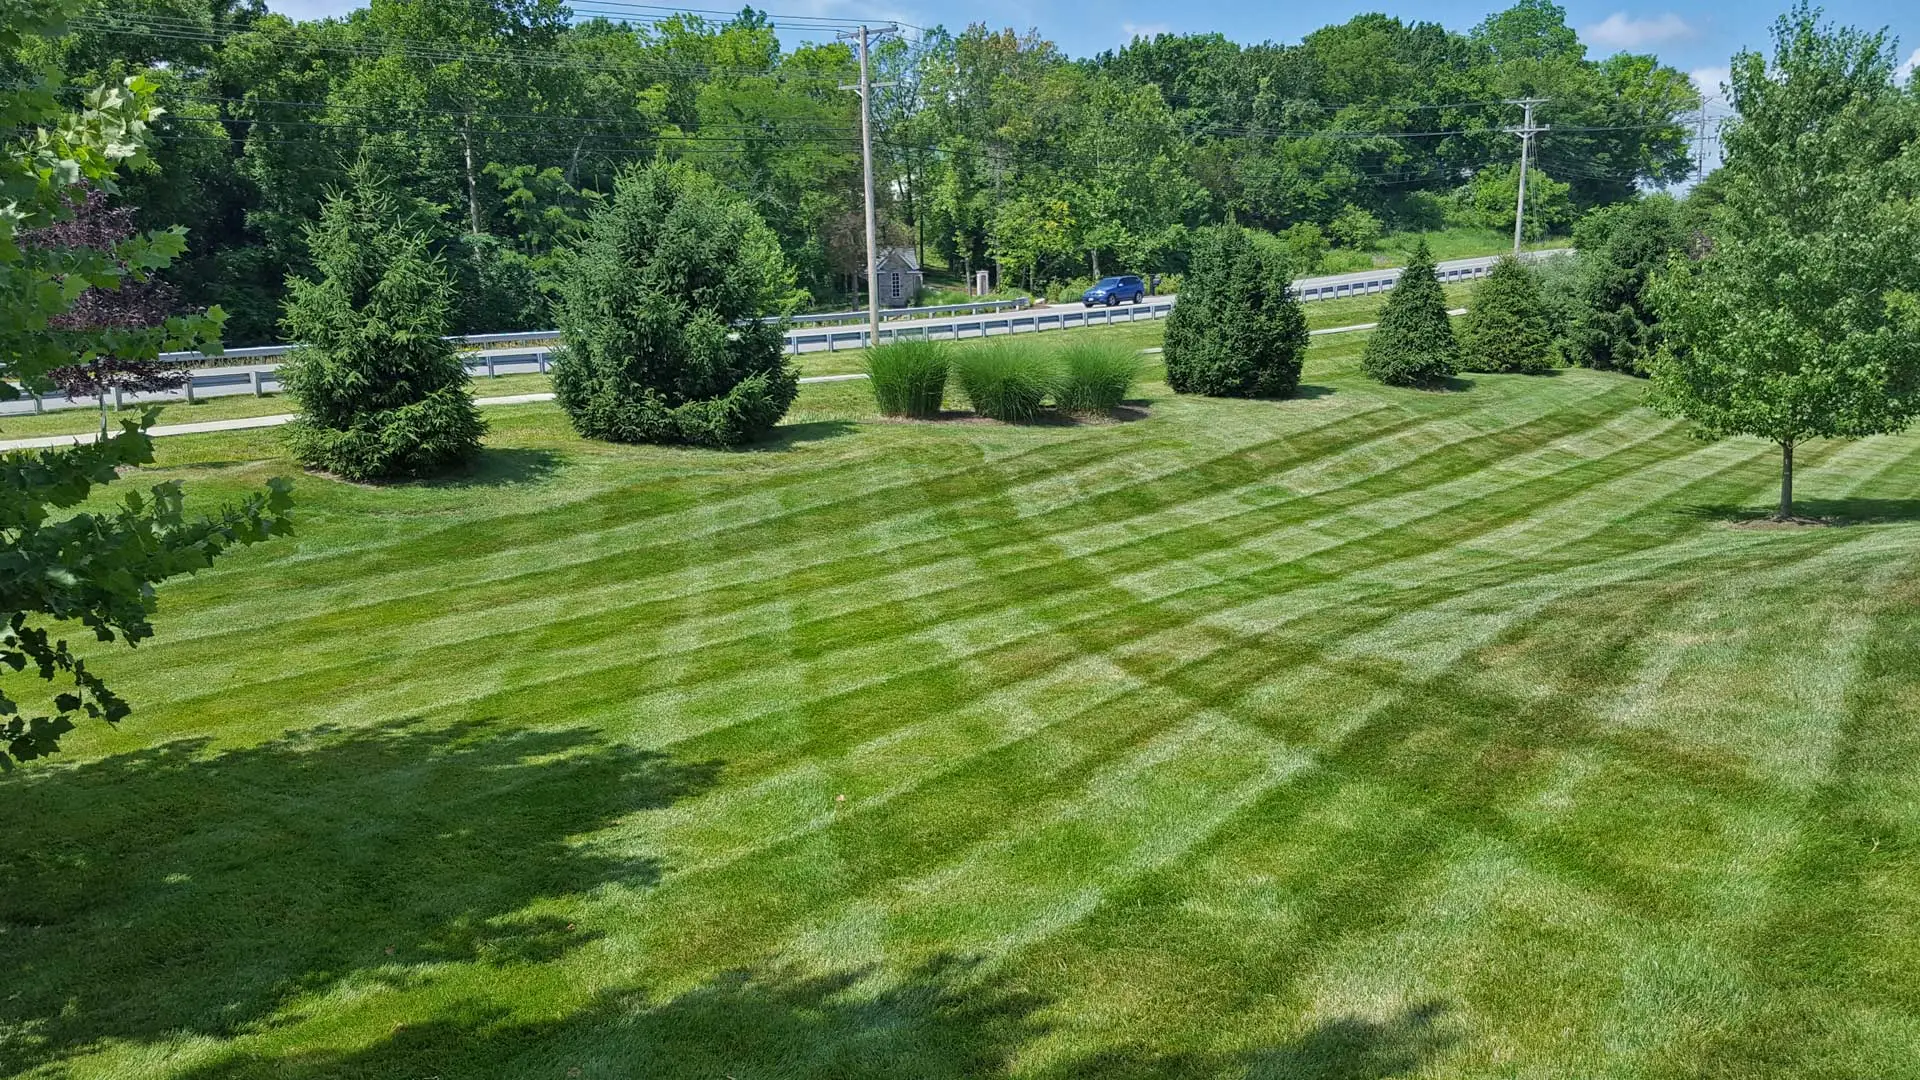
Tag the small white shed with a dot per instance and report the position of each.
(900, 276)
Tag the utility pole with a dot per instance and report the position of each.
(1526, 131)
(866, 87)
(1700, 146)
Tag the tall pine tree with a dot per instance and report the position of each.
(1414, 345)
(382, 393)
(1506, 328)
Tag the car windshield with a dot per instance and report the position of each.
(1109, 282)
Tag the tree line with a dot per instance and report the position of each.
(503, 123)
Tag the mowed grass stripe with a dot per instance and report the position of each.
(855, 565)
(699, 505)
(561, 572)
(1320, 843)
(779, 883)
(534, 642)
(631, 556)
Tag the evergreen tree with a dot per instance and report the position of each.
(1414, 345)
(382, 393)
(1506, 328)
(1613, 326)
(666, 317)
(1237, 330)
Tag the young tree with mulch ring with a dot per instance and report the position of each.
(1237, 331)
(1414, 345)
(382, 392)
(1506, 328)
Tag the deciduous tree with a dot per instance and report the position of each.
(59, 564)
(1802, 320)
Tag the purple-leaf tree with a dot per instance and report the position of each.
(135, 305)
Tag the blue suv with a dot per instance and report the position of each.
(1112, 290)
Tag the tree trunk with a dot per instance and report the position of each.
(1094, 253)
(473, 181)
(573, 163)
(1785, 513)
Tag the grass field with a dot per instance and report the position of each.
(1368, 734)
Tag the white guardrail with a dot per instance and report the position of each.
(518, 351)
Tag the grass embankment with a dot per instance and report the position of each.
(1372, 733)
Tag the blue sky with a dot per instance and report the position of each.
(1695, 35)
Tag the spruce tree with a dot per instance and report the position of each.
(1237, 330)
(1506, 328)
(382, 393)
(1414, 345)
(672, 317)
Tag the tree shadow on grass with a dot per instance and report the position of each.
(1343, 1048)
(1834, 511)
(497, 466)
(788, 436)
(175, 891)
(939, 1021)
(1309, 391)
(945, 1019)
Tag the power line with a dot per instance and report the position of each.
(184, 30)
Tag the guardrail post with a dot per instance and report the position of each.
(541, 359)
(39, 404)
(491, 374)
(254, 378)
(190, 398)
(117, 404)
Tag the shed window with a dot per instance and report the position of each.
(896, 286)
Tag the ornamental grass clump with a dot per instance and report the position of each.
(1007, 380)
(1096, 376)
(909, 378)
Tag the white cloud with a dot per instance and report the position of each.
(1907, 68)
(1129, 31)
(1708, 79)
(1622, 31)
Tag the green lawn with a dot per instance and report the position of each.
(1368, 734)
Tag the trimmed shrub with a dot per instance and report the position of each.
(1506, 327)
(1096, 376)
(1006, 380)
(662, 316)
(1237, 330)
(382, 393)
(1414, 345)
(909, 378)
